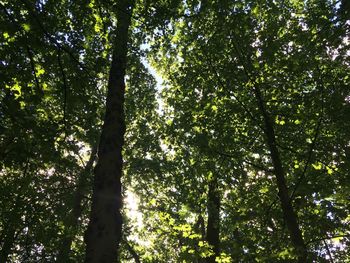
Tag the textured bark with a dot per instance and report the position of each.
(290, 217)
(72, 221)
(213, 225)
(104, 231)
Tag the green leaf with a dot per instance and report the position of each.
(317, 166)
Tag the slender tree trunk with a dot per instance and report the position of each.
(72, 222)
(213, 225)
(290, 217)
(199, 227)
(104, 231)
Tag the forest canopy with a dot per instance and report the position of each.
(175, 131)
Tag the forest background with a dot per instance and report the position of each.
(223, 125)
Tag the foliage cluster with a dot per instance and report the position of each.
(234, 80)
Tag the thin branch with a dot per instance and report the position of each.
(260, 167)
(65, 86)
(328, 238)
(313, 143)
(308, 161)
(269, 209)
(32, 64)
(132, 251)
(303, 156)
(220, 82)
(53, 40)
(328, 251)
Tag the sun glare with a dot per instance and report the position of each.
(132, 209)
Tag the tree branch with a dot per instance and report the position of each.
(65, 86)
(32, 64)
(132, 251)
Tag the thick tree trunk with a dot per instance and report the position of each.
(213, 225)
(72, 221)
(290, 217)
(105, 227)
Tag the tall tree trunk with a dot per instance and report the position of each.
(72, 221)
(104, 231)
(290, 217)
(213, 225)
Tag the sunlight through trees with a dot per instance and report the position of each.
(174, 131)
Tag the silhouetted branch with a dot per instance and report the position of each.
(328, 238)
(132, 251)
(32, 64)
(53, 40)
(328, 251)
(65, 87)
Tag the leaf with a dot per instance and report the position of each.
(264, 190)
(16, 88)
(317, 166)
(26, 27)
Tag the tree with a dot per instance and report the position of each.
(238, 48)
(239, 152)
(105, 227)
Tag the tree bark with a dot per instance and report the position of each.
(72, 221)
(213, 225)
(104, 231)
(290, 217)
